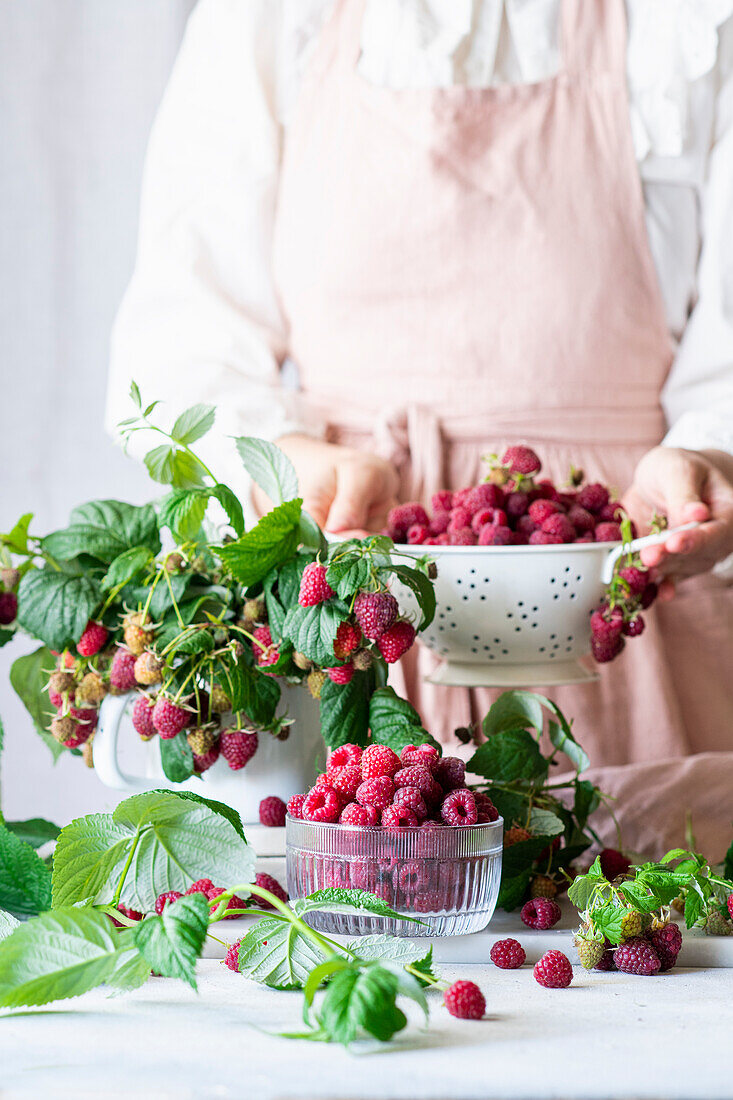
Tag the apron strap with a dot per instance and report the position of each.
(594, 37)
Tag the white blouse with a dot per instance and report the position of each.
(200, 320)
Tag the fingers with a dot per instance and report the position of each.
(358, 485)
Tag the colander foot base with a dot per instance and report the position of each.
(542, 674)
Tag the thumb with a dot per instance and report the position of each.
(683, 501)
(355, 491)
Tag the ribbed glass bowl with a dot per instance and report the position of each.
(447, 877)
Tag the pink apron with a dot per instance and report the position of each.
(465, 267)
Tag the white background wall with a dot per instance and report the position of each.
(79, 84)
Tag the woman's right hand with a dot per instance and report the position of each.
(345, 490)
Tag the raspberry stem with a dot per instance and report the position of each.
(128, 862)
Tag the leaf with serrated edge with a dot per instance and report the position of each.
(172, 942)
(312, 630)
(275, 539)
(268, 467)
(508, 755)
(514, 709)
(8, 924)
(126, 566)
(275, 953)
(36, 831)
(61, 954)
(357, 1002)
(345, 710)
(180, 840)
(55, 607)
(28, 675)
(386, 949)
(25, 880)
(334, 899)
(193, 423)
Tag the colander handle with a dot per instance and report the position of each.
(639, 544)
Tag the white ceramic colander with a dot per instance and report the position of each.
(517, 616)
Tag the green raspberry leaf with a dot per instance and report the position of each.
(36, 831)
(169, 465)
(335, 899)
(358, 1002)
(348, 574)
(421, 587)
(25, 880)
(312, 630)
(275, 539)
(183, 511)
(563, 740)
(391, 949)
(63, 954)
(104, 529)
(395, 722)
(269, 468)
(176, 758)
(193, 424)
(55, 607)
(28, 676)
(126, 566)
(345, 710)
(608, 919)
(277, 954)
(508, 755)
(515, 710)
(8, 924)
(230, 503)
(171, 943)
(17, 538)
(513, 889)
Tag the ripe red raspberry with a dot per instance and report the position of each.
(345, 780)
(485, 808)
(460, 536)
(265, 652)
(426, 756)
(354, 814)
(460, 518)
(231, 959)
(606, 649)
(314, 588)
(482, 517)
(8, 608)
(635, 579)
(540, 510)
(166, 899)
(348, 638)
(465, 1000)
(295, 806)
(169, 718)
(516, 504)
(412, 799)
(417, 534)
(649, 595)
(459, 808)
(238, 747)
(636, 956)
(554, 971)
(396, 641)
(496, 535)
(341, 674)
(428, 901)
(321, 804)
(581, 519)
(729, 903)
(485, 495)
(272, 812)
(377, 792)
(593, 497)
(608, 532)
(442, 501)
(420, 777)
(450, 773)
(267, 882)
(634, 627)
(344, 754)
(606, 962)
(613, 863)
(521, 460)
(398, 815)
(542, 538)
(611, 513)
(666, 942)
(405, 516)
(233, 903)
(201, 886)
(93, 638)
(560, 526)
(375, 612)
(605, 624)
(507, 954)
(439, 523)
(122, 671)
(541, 913)
(202, 762)
(142, 717)
(379, 760)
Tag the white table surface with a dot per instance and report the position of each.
(608, 1035)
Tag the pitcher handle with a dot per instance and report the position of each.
(639, 544)
(104, 747)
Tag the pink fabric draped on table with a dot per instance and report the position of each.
(450, 288)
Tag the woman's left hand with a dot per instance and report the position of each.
(685, 486)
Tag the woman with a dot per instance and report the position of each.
(467, 224)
